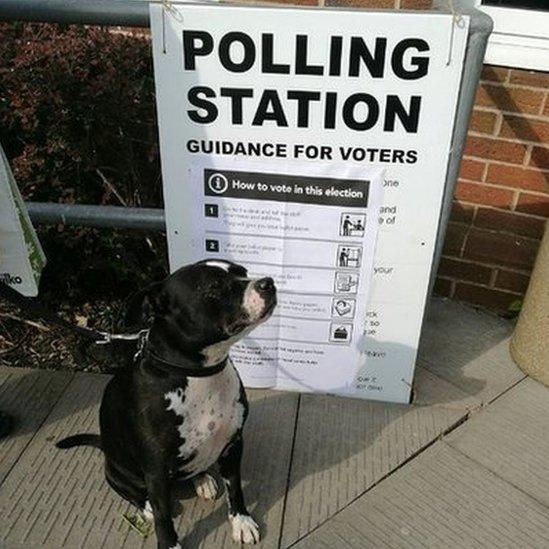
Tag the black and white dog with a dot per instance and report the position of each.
(180, 408)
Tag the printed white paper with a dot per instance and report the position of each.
(313, 231)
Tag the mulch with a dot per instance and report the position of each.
(30, 343)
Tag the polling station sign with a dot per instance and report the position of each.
(312, 145)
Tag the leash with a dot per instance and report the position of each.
(33, 307)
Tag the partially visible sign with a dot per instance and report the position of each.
(257, 95)
(21, 256)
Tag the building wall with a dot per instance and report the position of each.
(501, 201)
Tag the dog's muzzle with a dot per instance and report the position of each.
(260, 298)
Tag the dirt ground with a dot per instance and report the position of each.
(27, 342)
(88, 276)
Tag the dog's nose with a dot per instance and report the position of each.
(265, 286)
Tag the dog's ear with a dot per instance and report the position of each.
(141, 307)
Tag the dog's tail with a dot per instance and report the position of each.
(85, 439)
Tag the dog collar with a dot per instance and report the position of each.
(145, 349)
(174, 367)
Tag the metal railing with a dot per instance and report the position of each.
(88, 215)
(124, 13)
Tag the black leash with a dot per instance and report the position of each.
(35, 308)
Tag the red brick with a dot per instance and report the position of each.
(298, 2)
(546, 108)
(454, 239)
(510, 222)
(530, 78)
(521, 178)
(483, 121)
(494, 74)
(500, 249)
(462, 213)
(495, 300)
(371, 4)
(513, 281)
(504, 98)
(534, 204)
(415, 4)
(540, 158)
(442, 287)
(472, 169)
(527, 129)
(494, 149)
(477, 193)
(463, 270)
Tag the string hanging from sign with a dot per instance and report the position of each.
(168, 8)
(457, 20)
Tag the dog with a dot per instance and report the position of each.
(180, 408)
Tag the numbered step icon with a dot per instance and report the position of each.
(346, 283)
(343, 307)
(212, 245)
(352, 224)
(341, 333)
(348, 256)
(211, 210)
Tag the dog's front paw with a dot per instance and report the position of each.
(147, 512)
(206, 487)
(245, 529)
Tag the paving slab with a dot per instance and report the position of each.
(329, 452)
(345, 446)
(440, 500)
(468, 348)
(511, 438)
(53, 498)
(28, 395)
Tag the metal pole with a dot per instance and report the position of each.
(126, 13)
(481, 26)
(97, 216)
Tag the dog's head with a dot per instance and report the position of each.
(205, 307)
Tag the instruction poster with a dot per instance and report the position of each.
(311, 145)
(314, 232)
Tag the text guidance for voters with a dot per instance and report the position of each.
(280, 130)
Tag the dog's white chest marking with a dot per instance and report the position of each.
(210, 414)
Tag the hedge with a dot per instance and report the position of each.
(77, 122)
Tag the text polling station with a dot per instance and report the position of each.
(311, 145)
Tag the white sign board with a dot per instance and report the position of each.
(254, 101)
(21, 256)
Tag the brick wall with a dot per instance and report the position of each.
(502, 198)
